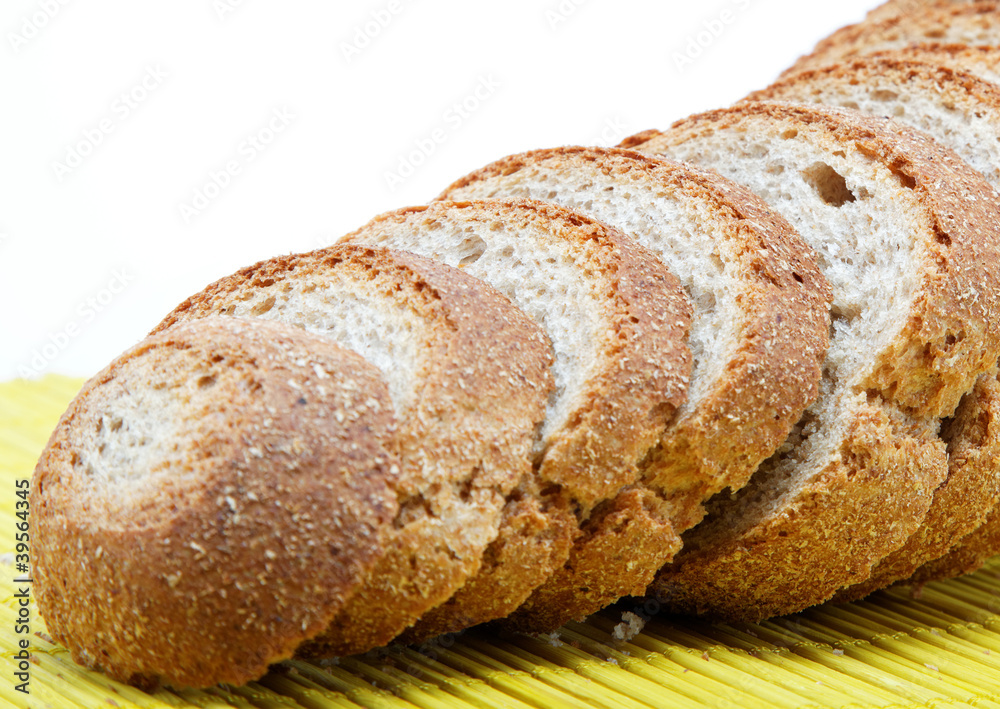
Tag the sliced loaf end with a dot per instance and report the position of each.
(162, 482)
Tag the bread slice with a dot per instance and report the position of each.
(469, 378)
(759, 333)
(973, 438)
(907, 234)
(962, 112)
(210, 500)
(969, 23)
(618, 321)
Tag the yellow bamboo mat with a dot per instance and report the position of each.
(941, 649)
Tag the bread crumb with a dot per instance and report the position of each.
(630, 626)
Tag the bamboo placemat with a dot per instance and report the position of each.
(939, 649)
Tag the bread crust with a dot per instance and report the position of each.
(771, 375)
(906, 67)
(643, 370)
(891, 27)
(623, 545)
(535, 539)
(969, 555)
(983, 61)
(482, 380)
(973, 438)
(869, 498)
(962, 503)
(251, 535)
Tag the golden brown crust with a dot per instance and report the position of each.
(981, 60)
(965, 499)
(624, 543)
(869, 499)
(969, 555)
(974, 446)
(535, 538)
(951, 336)
(890, 27)
(781, 334)
(480, 386)
(634, 392)
(218, 559)
(908, 69)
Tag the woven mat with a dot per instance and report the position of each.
(941, 649)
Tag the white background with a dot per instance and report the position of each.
(93, 185)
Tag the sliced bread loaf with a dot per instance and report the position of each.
(969, 23)
(210, 500)
(962, 112)
(618, 321)
(758, 336)
(469, 381)
(907, 234)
